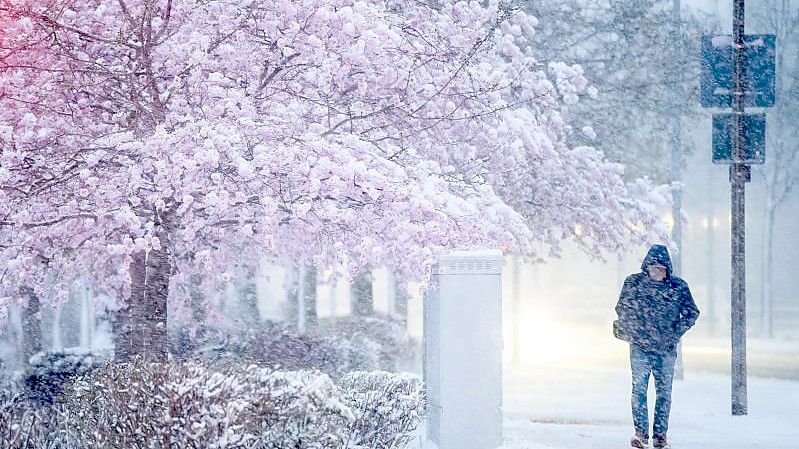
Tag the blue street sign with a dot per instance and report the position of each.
(717, 82)
(754, 138)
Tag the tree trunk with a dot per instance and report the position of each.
(120, 333)
(248, 295)
(292, 285)
(154, 326)
(127, 325)
(197, 298)
(301, 285)
(362, 295)
(300, 306)
(398, 299)
(31, 325)
(766, 300)
(140, 325)
(56, 342)
(311, 317)
(66, 322)
(401, 298)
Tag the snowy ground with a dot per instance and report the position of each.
(559, 408)
(578, 397)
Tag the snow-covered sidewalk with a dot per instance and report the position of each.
(574, 393)
(589, 409)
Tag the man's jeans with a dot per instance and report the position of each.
(661, 365)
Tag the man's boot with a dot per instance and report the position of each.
(639, 441)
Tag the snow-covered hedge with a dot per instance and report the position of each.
(187, 405)
(48, 371)
(387, 407)
(120, 405)
(374, 342)
(23, 425)
(336, 346)
(275, 345)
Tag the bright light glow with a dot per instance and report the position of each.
(545, 341)
(542, 338)
(669, 220)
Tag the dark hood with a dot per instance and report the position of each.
(659, 254)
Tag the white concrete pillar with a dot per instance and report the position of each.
(463, 351)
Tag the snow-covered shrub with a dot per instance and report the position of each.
(338, 345)
(277, 345)
(210, 409)
(48, 371)
(388, 408)
(376, 342)
(119, 405)
(254, 407)
(353, 352)
(305, 411)
(26, 426)
(139, 405)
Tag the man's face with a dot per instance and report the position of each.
(657, 272)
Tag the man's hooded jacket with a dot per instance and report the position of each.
(654, 315)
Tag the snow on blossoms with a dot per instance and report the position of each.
(183, 136)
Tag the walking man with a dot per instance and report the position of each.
(655, 309)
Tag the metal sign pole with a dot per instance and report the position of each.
(738, 76)
(739, 175)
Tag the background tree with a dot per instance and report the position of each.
(31, 324)
(781, 171)
(302, 286)
(145, 142)
(247, 294)
(362, 294)
(643, 62)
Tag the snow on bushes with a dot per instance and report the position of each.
(120, 405)
(307, 411)
(387, 406)
(24, 426)
(336, 346)
(141, 405)
(377, 342)
(276, 345)
(49, 370)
